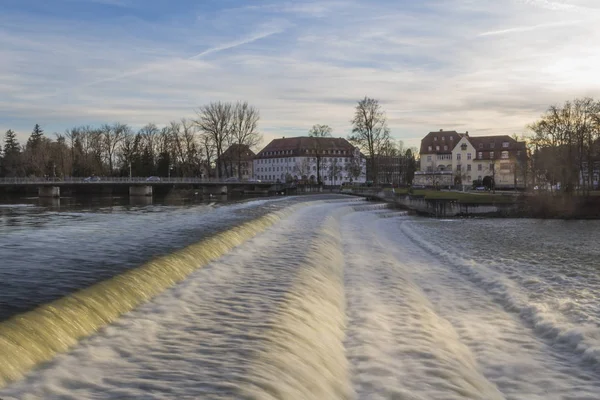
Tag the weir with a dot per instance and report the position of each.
(37, 336)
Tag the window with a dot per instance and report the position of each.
(428, 158)
(491, 154)
(437, 148)
(505, 144)
(458, 167)
(480, 155)
(504, 154)
(468, 156)
(479, 178)
(519, 153)
(435, 138)
(429, 148)
(492, 145)
(445, 148)
(458, 157)
(481, 145)
(443, 138)
(479, 167)
(463, 146)
(468, 167)
(451, 137)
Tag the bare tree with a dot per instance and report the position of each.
(354, 167)
(112, 136)
(244, 134)
(214, 120)
(370, 131)
(302, 168)
(318, 130)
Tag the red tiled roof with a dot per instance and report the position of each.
(488, 144)
(298, 146)
(441, 138)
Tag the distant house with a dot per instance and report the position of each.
(236, 161)
(449, 158)
(332, 161)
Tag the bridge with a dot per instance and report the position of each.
(143, 186)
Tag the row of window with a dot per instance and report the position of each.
(282, 177)
(289, 152)
(293, 160)
(492, 145)
(504, 155)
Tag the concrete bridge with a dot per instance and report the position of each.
(143, 186)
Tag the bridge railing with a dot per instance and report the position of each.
(111, 179)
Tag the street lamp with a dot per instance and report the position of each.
(170, 168)
(130, 170)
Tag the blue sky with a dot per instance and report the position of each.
(486, 66)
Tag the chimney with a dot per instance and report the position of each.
(467, 133)
(441, 130)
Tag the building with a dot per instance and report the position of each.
(449, 158)
(330, 161)
(236, 161)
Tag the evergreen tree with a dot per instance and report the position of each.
(12, 155)
(36, 137)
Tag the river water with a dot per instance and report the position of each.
(319, 297)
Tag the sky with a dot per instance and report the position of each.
(482, 66)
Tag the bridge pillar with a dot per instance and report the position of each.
(140, 191)
(49, 191)
(216, 190)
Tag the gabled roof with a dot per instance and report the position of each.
(234, 151)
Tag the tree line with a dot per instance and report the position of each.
(191, 147)
(187, 147)
(564, 147)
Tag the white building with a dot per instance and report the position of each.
(449, 158)
(332, 161)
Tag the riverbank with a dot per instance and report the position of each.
(447, 204)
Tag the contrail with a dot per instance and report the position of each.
(528, 28)
(216, 49)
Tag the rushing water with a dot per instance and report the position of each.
(326, 298)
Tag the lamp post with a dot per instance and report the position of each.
(129, 170)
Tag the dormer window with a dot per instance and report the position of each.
(443, 138)
(463, 146)
(451, 137)
(435, 138)
(505, 144)
(492, 145)
(481, 145)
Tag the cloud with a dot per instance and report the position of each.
(427, 70)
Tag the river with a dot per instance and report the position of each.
(316, 297)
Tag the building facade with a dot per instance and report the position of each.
(449, 158)
(237, 162)
(330, 161)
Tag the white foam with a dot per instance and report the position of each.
(397, 345)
